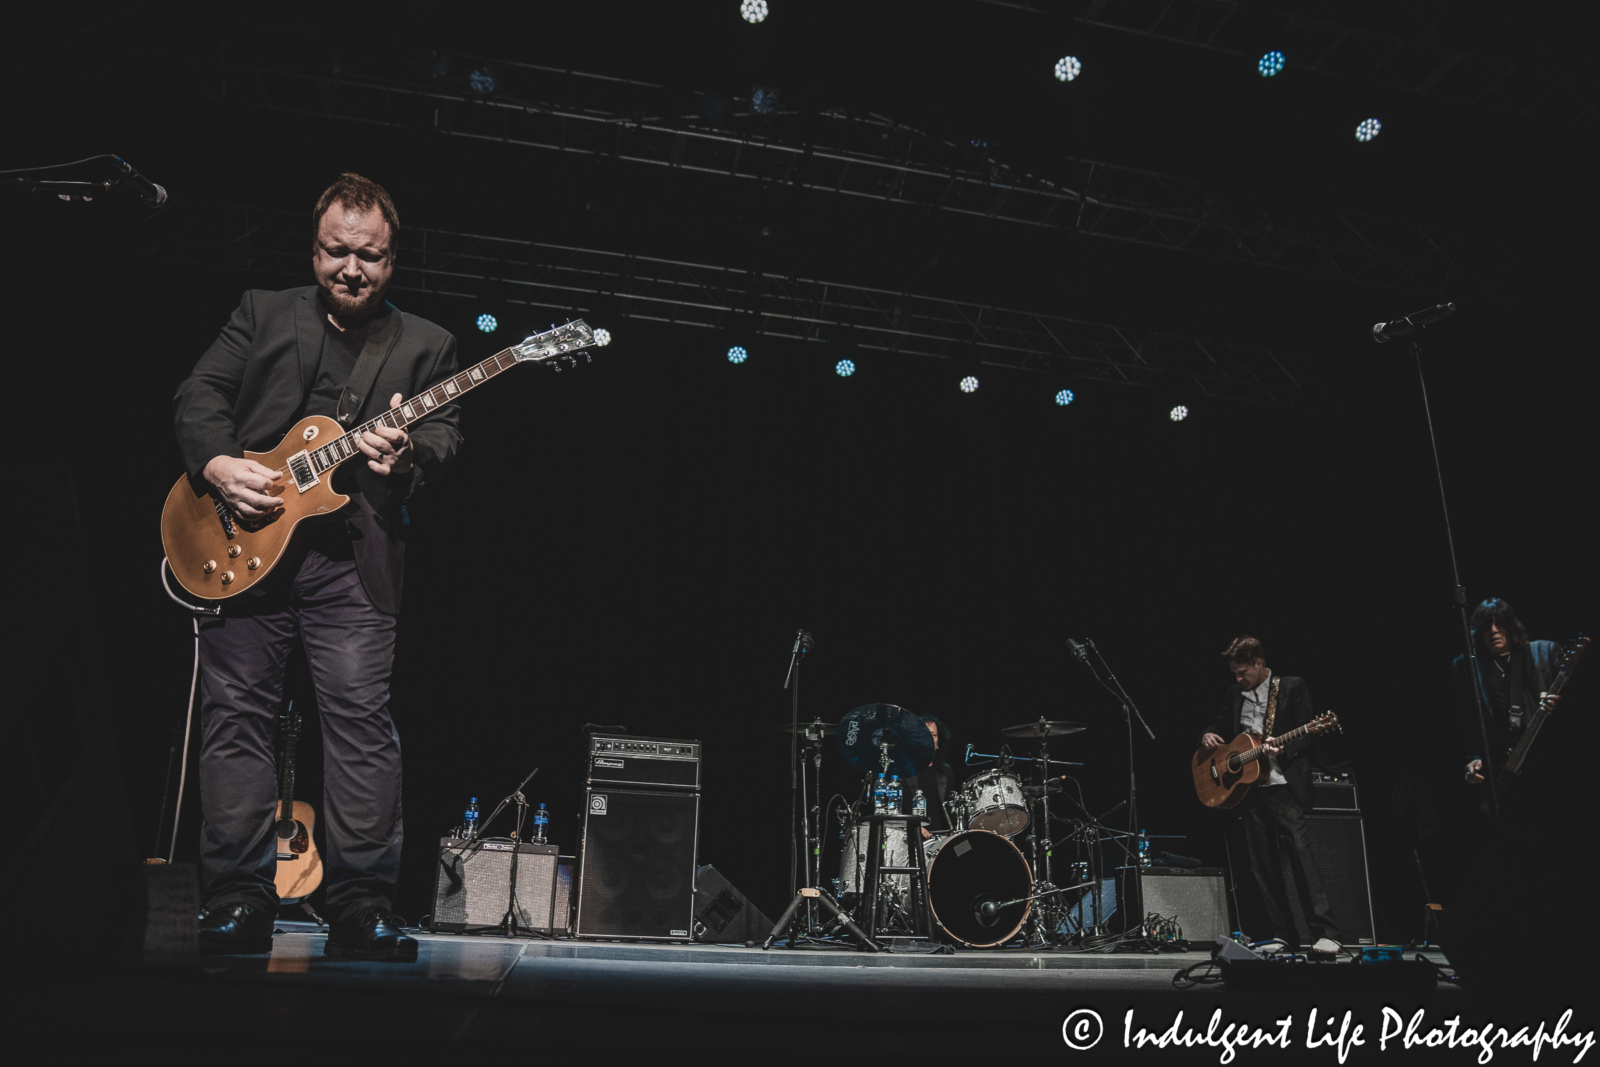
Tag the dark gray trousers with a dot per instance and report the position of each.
(1272, 815)
(349, 647)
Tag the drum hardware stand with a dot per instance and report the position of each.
(1130, 712)
(818, 896)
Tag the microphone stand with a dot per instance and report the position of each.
(510, 924)
(1130, 711)
(1475, 676)
(797, 809)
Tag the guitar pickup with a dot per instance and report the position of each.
(305, 476)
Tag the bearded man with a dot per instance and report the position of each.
(283, 356)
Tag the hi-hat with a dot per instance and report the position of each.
(1042, 729)
(811, 729)
(861, 730)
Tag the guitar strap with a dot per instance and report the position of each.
(1272, 706)
(380, 342)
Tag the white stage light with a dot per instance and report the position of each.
(1180, 413)
(969, 384)
(1068, 68)
(1368, 130)
(753, 11)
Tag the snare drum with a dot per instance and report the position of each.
(853, 856)
(994, 800)
(967, 871)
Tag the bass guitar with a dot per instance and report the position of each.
(299, 866)
(1508, 773)
(216, 553)
(1223, 775)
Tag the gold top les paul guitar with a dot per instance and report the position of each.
(216, 553)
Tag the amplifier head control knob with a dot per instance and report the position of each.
(227, 577)
(233, 551)
(210, 565)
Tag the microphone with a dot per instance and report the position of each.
(1078, 650)
(1383, 332)
(153, 194)
(988, 909)
(969, 753)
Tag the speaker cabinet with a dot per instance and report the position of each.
(636, 868)
(1196, 897)
(723, 914)
(1339, 847)
(472, 886)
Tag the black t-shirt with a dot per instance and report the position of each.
(340, 350)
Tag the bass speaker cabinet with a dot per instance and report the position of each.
(472, 887)
(637, 864)
(1196, 897)
(1339, 847)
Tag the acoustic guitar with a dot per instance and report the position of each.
(299, 865)
(216, 553)
(1223, 775)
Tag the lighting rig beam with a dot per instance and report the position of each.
(842, 152)
(1414, 53)
(610, 286)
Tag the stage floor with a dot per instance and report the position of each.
(577, 996)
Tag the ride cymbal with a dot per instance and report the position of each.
(1042, 729)
(861, 730)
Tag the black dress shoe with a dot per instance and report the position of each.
(370, 934)
(229, 929)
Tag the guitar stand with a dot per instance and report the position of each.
(818, 896)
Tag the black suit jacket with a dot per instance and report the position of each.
(252, 383)
(1294, 709)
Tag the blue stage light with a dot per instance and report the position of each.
(1270, 64)
(1064, 397)
(487, 322)
(737, 354)
(844, 368)
(753, 11)
(483, 82)
(1068, 68)
(969, 384)
(1179, 413)
(1368, 130)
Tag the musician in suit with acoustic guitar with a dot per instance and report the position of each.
(1273, 809)
(336, 349)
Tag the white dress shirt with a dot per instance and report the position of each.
(1252, 717)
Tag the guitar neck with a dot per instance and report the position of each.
(1282, 739)
(416, 409)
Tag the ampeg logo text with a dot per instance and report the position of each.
(608, 763)
(597, 805)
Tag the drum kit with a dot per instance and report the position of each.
(979, 889)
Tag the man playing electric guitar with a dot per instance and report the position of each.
(1275, 808)
(281, 357)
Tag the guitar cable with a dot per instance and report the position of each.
(195, 611)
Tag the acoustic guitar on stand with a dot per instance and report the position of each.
(216, 553)
(1223, 775)
(299, 865)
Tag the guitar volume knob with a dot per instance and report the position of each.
(233, 551)
(227, 577)
(253, 562)
(209, 566)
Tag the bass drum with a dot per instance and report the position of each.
(967, 871)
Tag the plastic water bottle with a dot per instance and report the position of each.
(880, 795)
(894, 794)
(919, 805)
(541, 825)
(1144, 850)
(469, 821)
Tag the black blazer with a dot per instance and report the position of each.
(252, 383)
(1294, 709)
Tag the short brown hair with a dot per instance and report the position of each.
(1244, 649)
(362, 194)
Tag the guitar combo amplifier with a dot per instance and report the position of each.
(636, 864)
(472, 887)
(1195, 897)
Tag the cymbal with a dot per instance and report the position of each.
(811, 729)
(1041, 729)
(861, 730)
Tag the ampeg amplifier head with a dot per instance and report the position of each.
(659, 762)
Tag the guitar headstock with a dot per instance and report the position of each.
(1326, 723)
(558, 346)
(1572, 652)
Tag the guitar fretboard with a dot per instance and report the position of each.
(1241, 758)
(419, 407)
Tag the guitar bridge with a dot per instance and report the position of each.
(300, 468)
